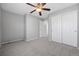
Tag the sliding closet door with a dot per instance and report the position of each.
(69, 28)
(56, 28)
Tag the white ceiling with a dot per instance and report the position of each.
(22, 8)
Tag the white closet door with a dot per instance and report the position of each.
(56, 28)
(69, 28)
(43, 29)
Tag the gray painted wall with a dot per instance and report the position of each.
(49, 29)
(78, 26)
(0, 27)
(12, 26)
(32, 27)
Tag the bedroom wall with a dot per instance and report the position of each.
(0, 27)
(13, 27)
(32, 27)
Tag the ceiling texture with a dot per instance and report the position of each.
(23, 8)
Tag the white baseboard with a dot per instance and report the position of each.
(11, 41)
(32, 39)
(43, 36)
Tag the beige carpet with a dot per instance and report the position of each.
(41, 47)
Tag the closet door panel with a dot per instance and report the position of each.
(69, 28)
(56, 28)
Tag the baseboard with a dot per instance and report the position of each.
(31, 39)
(64, 44)
(11, 41)
(43, 36)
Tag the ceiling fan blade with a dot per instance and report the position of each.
(31, 4)
(40, 13)
(43, 4)
(33, 11)
(47, 9)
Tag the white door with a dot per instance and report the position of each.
(56, 28)
(69, 28)
(43, 29)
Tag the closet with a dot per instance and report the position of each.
(56, 28)
(64, 27)
(69, 28)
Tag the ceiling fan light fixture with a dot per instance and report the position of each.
(38, 9)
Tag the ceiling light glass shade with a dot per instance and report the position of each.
(38, 9)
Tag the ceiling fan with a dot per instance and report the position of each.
(39, 8)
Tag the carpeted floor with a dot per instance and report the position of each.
(41, 47)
